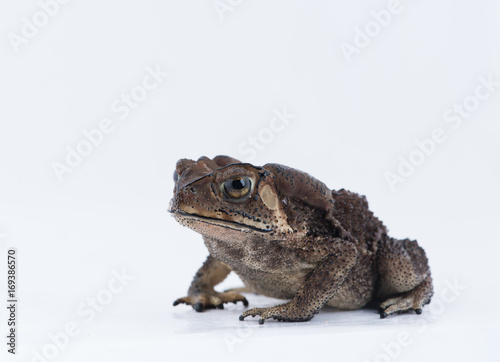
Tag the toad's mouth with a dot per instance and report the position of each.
(218, 222)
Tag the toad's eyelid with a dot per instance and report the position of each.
(235, 172)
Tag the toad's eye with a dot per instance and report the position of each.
(237, 188)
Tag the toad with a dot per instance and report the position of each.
(288, 236)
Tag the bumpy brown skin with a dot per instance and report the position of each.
(288, 236)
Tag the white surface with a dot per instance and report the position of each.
(353, 121)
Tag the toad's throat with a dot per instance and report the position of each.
(223, 223)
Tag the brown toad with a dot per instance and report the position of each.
(286, 235)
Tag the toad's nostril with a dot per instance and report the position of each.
(188, 192)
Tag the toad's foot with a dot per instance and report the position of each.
(287, 312)
(415, 300)
(209, 300)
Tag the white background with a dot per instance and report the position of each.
(353, 120)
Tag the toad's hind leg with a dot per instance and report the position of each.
(415, 299)
(405, 281)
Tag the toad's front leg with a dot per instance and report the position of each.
(201, 293)
(319, 288)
